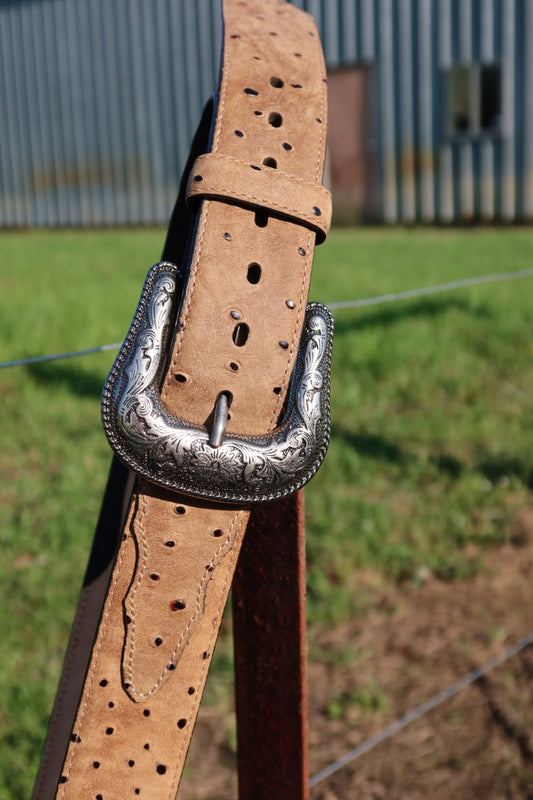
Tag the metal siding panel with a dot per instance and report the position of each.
(406, 154)
(9, 138)
(387, 117)
(466, 166)
(487, 185)
(330, 33)
(30, 123)
(508, 106)
(426, 78)
(368, 29)
(527, 98)
(45, 197)
(52, 170)
(349, 29)
(446, 211)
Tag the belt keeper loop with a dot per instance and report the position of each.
(223, 177)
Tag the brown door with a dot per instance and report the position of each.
(352, 144)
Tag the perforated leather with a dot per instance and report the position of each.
(238, 332)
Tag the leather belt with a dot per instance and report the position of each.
(216, 401)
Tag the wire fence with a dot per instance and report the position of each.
(393, 297)
(475, 674)
(422, 709)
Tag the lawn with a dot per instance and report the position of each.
(430, 454)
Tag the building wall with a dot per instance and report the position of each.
(100, 99)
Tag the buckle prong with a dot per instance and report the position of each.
(221, 419)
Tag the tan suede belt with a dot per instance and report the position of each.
(217, 400)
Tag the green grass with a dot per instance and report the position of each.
(430, 455)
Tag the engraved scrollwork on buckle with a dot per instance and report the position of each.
(179, 455)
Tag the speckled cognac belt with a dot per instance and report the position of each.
(217, 400)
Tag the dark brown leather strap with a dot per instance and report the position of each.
(248, 271)
(269, 625)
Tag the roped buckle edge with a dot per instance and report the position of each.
(174, 453)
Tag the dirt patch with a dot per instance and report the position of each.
(415, 642)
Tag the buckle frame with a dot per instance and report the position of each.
(174, 453)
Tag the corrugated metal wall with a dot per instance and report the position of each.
(100, 99)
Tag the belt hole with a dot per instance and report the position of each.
(233, 366)
(277, 389)
(283, 344)
(218, 533)
(316, 211)
(109, 731)
(191, 690)
(275, 119)
(297, 86)
(170, 543)
(227, 236)
(298, 55)
(131, 763)
(251, 92)
(318, 119)
(240, 334)
(104, 682)
(270, 162)
(240, 134)
(161, 769)
(180, 377)
(182, 723)
(235, 36)
(287, 146)
(254, 166)
(258, 113)
(198, 178)
(180, 509)
(146, 712)
(254, 271)
(154, 576)
(147, 746)
(158, 641)
(178, 605)
(278, 83)
(261, 219)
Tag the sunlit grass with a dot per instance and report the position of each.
(430, 454)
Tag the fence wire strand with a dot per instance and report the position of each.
(418, 712)
(365, 301)
(441, 287)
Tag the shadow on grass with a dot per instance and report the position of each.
(492, 467)
(372, 446)
(401, 311)
(77, 381)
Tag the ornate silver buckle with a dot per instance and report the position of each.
(179, 455)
